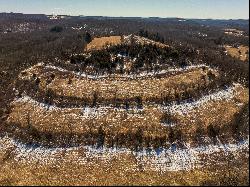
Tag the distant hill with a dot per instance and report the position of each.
(22, 16)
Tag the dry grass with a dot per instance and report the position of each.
(122, 170)
(218, 114)
(241, 53)
(72, 120)
(100, 43)
(122, 122)
(120, 88)
(143, 41)
(215, 112)
(114, 122)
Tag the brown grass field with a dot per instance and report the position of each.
(121, 170)
(100, 43)
(147, 89)
(241, 53)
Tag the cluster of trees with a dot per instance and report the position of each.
(87, 37)
(239, 126)
(148, 57)
(56, 29)
(19, 51)
(156, 37)
(232, 69)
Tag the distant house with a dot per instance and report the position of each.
(54, 16)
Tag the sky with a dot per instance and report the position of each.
(214, 9)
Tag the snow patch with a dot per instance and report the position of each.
(185, 107)
(132, 76)
(171, 159)
(87, 112)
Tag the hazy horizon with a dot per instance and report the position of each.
(189, 9)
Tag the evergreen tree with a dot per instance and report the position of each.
(88, 37)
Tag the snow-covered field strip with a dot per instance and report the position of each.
(131, 76)
(185, 107)
(86, 112)
(172, 159)
(182, 108)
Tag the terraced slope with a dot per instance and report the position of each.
(120, 125)
(116, 90)
(175, 126)
(128, 111)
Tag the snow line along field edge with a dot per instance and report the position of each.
(182, 108)
(172, 159)
(132, 76)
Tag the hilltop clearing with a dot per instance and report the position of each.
(103, 42)
(241, 52)
(100, 43)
